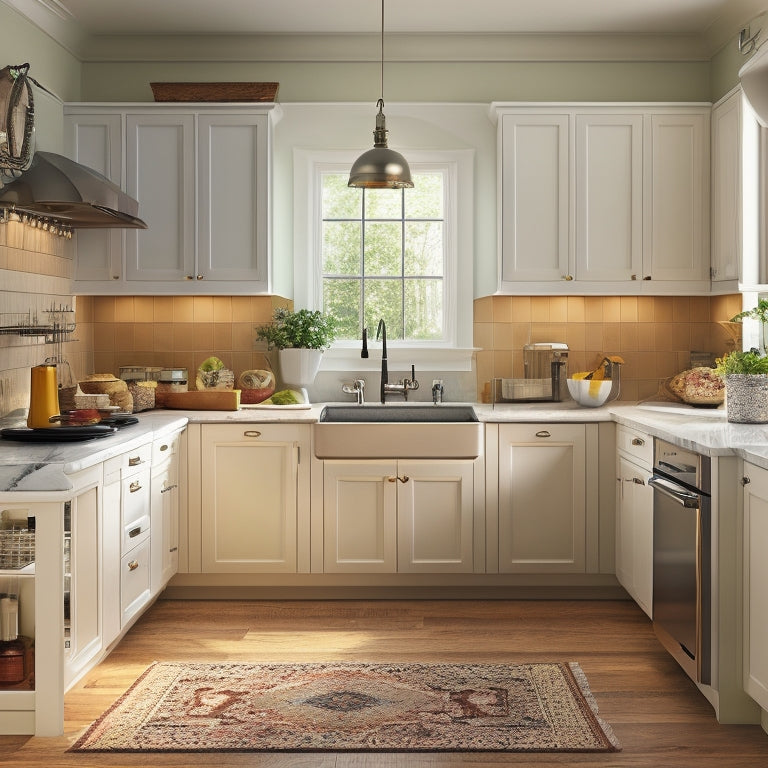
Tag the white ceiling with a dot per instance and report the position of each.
(660, 17)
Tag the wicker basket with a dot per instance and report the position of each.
(213, 92)
(17, 548)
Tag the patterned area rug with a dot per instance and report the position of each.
(178, 707)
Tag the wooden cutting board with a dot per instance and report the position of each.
(204, 400)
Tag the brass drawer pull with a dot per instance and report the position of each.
(543, 433)
(168, 488)
(134, 532)
(164, 447)
(133, 565)
(134, 461)
(638, 441)
(403, 479)
(134, 486)
(251, 433)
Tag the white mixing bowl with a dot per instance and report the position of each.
(589, 393)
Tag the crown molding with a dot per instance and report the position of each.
(53, 19)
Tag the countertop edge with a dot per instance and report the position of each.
(47, 467)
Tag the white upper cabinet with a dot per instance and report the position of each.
(160, 174)
(202, 176)
(677, 182)
(609, 197)
(534, 197)
(596, 199)
(233, 188)
(96, 140)
(726, 191)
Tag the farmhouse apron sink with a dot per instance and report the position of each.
(398, 431)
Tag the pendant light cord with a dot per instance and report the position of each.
(382, 52)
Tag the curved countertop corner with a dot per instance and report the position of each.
(47, 466)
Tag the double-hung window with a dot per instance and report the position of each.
(371, 254)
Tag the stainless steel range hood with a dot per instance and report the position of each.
(59, 188)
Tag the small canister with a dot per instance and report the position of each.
(170, 380)
(43, 397)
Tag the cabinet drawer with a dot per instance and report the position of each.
(164, 449)
(636, 445)
(134, 581)
(136, 496)
(134, 533)
(127, 464)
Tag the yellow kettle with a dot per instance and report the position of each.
(43, 396)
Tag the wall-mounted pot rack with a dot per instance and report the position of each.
(59, 326)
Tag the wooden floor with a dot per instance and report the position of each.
(658, 715)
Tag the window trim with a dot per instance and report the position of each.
(456, 352)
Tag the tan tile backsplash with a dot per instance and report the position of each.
(35, 275)
(654, 334)
(178, 331)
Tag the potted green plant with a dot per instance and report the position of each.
(746, 386)
(759, 313)
(300, 337)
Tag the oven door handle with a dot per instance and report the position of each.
(675, 492)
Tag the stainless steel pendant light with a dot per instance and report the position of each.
(380, 167)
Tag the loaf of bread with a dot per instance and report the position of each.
(107, 384)
(698, 386)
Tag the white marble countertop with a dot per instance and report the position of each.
(27, 466)
(45, 466)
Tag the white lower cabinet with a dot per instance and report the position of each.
(82, 583)
(547, 498)
(398, 516)
(755, 578)
(126, 537)
(634, 524)
(250, 477)
(165, 510)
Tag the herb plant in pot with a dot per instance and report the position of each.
(746, 386)
(300, 337)
(760, 314)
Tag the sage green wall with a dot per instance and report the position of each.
(418, 81)
(727, 62)
(50, 64)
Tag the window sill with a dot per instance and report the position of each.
(399, 358)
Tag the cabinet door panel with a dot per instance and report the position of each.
(160, 165)
(534, 211)
(85, 585)
(233, 183)
(634, 533)
(726, 189)
(676, 217)
(249, 499)
(96, 142)
(360, 517)
(609, 197)
(542, 502)
(755, 579)
(435, 517)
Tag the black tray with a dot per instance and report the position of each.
(119, 421)
(57, 434)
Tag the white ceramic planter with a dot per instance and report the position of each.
(299, 366)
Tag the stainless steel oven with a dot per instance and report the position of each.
(682, 557)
